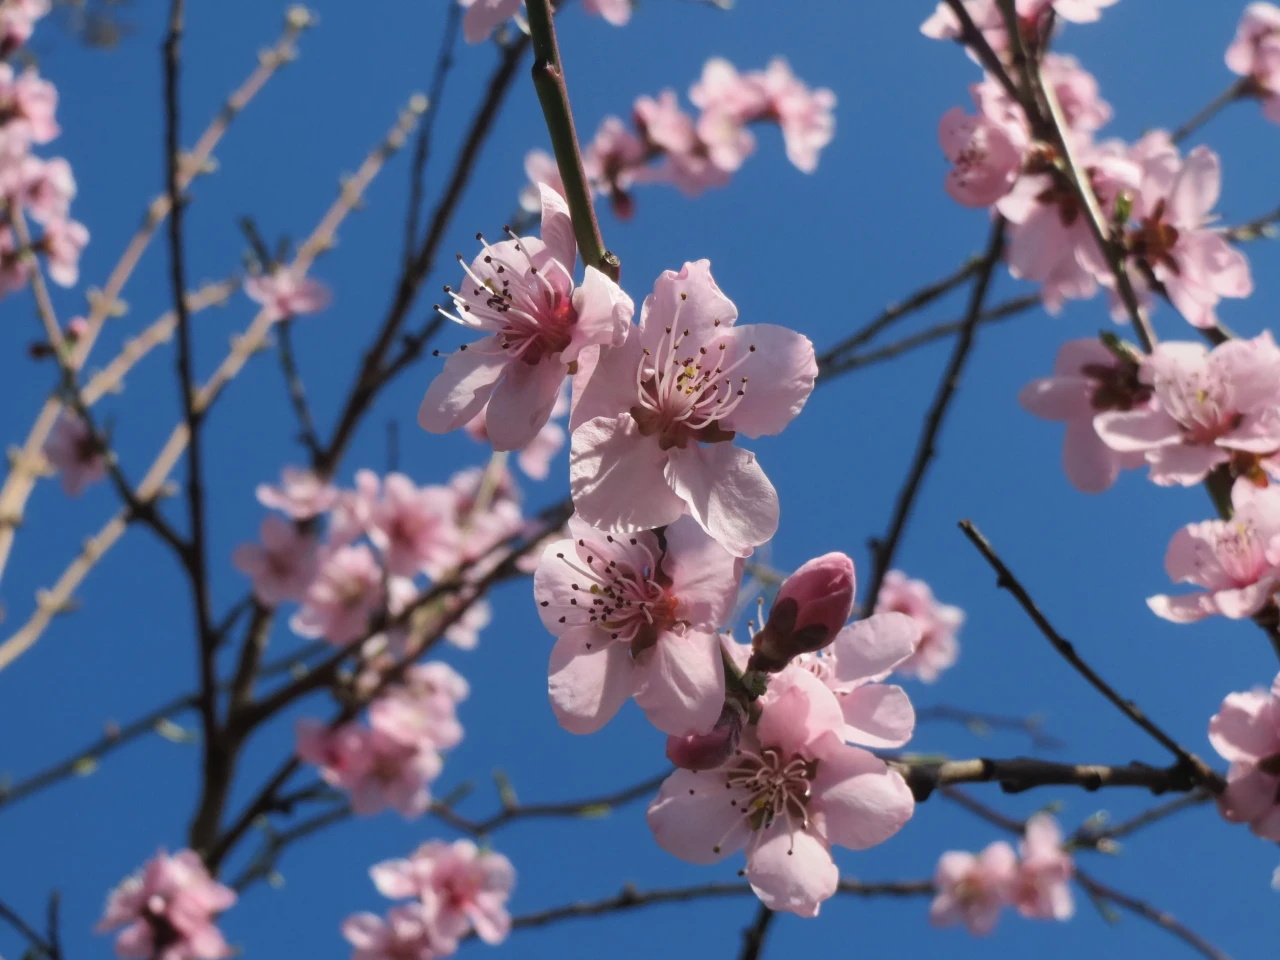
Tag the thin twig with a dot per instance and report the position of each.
(884, 551)
(38, 942)
(982, 811)
(1195, 769)
(1145, 910)
(1101, 836)
(264, 864)
(972, 37)
(979, 723)
(1237, 91)
(1263, 226)
(297, 392)
(553, 94)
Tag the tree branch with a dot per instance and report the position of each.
(1019, 774)
(1145, 910)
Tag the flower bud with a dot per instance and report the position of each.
(811, 607)
(706, 751)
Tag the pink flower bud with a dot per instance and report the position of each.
(706, 751)
(812, 605)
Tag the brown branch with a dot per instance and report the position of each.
(1193, 769)
(26, 467)
(1240, 90)
(1263, 226)
(1019, 774)
(982, 811)
(1145, 910)
(297, 392)
(1102, 836)
(972, 37)
(884, 551)
(41, 947)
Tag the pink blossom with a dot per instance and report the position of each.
(283, 294)
(345, 593)
(27, 106)
(1246, 732)
(790, 791)
(74, 453)
(1255, 53)
(1208, 404)
(1042, 886)
(807, 117)
(375, 769)
(540, 167)
(167, 910)
(484, 527)
(15, 271)
(17, 21)
(651, 433)
(423, 710)
(536, 456)
(722, 89)
(62, 243)
(616, 12)
(470, 887)
(464, 633)
(1173, 233)
(1236, 561)
(412, 527)
(352, 510)
(612, 161)
(987, 156)
(1088, 379)
(521, 293)
(938, 623)
(44, 187)
(972, 889)
(633, 621)
(301, 494)
(282, 566)
(409, 932)
(811, 606)
(670, 132)
(485, 16)
(705, 751)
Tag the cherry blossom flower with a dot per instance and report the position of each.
(789, 792)
(409, 932)
(15, 271)
(705, 751)
(483, 526)
(282, 566)
(1042, 886)
(283, 294)
(651, 433)
(687, 162)
(27, 104)
(1236, 561)
(75, 454)
(167, 911)
(17, 21)
(1209, 405)
(633, 621)
(807, 117)
(352, 510)
(540, 167)
(811, 606)
(413, 527)
(301, 494)
(62, 243)
(987, 156)
(1255, 54)
(343, 596)
(374, 768)
(613, 161)
(1246, 732)
(423, 710)
(1088, 379)
(45, 188)
(938, 623)
(470, 887)
(1172, 210)
(972, 889)
(521, 293)
(728, 100)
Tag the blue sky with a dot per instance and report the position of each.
(820, 253)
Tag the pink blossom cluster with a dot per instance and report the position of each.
(939, 622)
(1246, 733)
(42, 189)
(167, 911)
(696, 154)
(454, 888)
(485, 16)
(974, 888)
(1254, 54)
(283, 294)
(391, 762)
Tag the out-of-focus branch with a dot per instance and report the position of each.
(46, 946)
(1101, 835)
(883, 552)
(1193, 770)
(1239, 90)
(981, 724)
(297, 391)
(1258, 227)
(1026, 773)
(26, 468)
(1148, 912)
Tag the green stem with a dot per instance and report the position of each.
(548, 80)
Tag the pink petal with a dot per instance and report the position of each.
(588, 680)
(1125, 430)
(781, 372)
(727, 493)
(696, 818)
(484, 16)
(1237, 731)
(521, 404)
(617, 477)
(1058, 398)
(868, 649)
(1184, 609)
(680, 682)
(605, 384)
(1090, 465)
(792, 871)
(1195, 192)
(688, 300)
(878, 715)
(463, 387)
(557, 226)
(704, 576)
(604, 314)
(394, 879)
(863, 802)
(1184, 465)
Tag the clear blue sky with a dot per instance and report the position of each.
(819, 253)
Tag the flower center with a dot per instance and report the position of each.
(1241, 552)
(1118, 386)
(778, 786)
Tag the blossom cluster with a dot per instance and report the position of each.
(453, 890)
(669, 145)
(974, 888)
(42, 189)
